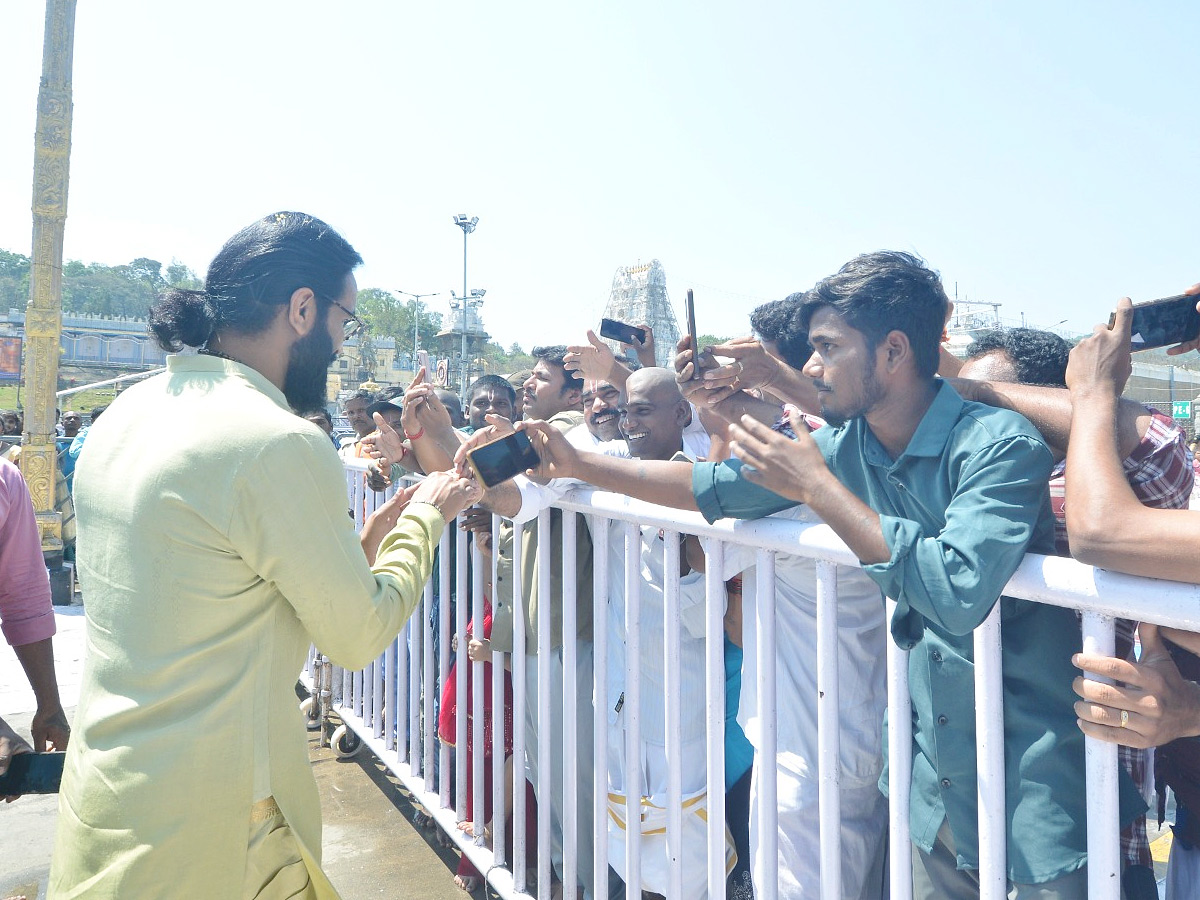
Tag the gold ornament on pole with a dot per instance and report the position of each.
(43, 317)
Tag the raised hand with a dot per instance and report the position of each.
(593, 360)
(383, 444)
(645, 350)
(1103, 363)
(774, 461)
(752, 367)
(427, 409)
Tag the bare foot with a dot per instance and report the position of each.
(468, 883)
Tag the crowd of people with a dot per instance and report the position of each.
(209, 566)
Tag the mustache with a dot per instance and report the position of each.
(821, 385)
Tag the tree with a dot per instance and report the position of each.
(14, 280)
(180, 276)
(388, 316)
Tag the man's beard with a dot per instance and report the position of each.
(307, 371)
(870, 394)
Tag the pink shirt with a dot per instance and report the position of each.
(26, 615)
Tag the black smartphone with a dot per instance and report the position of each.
(32, 773)
(689, 311)
(619, 331)
(501, 460)
(1163, 323)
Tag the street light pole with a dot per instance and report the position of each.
(467, 226)
(416, 302)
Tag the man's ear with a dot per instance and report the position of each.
(897, 350)
(304, 312)
(683, 413)
(574, 397)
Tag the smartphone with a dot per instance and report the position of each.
(423, 361)
(689, 310)
(32, 773)
(619, 331)
(501, 460)
(1163, 323)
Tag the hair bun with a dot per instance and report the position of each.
(183, 318)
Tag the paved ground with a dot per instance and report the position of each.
(371, 848)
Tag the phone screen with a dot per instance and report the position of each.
(1163, 323)
(501, 460)
(32, 773)
(619, 331)
(689, 309)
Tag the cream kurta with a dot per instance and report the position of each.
(214, 545)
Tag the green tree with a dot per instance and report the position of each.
(388, 316)
(180, 276)
(14, 280)
(705, 339)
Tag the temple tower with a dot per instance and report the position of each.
(639, 295)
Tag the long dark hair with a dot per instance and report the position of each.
(259, 268)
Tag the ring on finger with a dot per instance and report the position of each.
(1124, 718)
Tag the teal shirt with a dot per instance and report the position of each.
(959, 509)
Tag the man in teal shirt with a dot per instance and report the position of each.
(940, 499)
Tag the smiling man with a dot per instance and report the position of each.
(601, 400)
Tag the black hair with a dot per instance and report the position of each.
(258, 269)
(491, 382)
(885, 291)
(552, 355)
(1040, 357)
(391, 393)
(96, 412)
(360, 394)
(780, 321)
(318, 411)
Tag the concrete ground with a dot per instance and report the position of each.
(371, 848)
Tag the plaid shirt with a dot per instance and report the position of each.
(1160, 471)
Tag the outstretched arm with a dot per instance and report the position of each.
(1109, 527)
(1050, 410)
(655, 481)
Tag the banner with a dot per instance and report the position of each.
(10, 359)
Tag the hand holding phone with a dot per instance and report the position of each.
(619, 331)
(1163, 323)
(500, 460)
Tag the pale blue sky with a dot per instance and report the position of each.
(1045, 156)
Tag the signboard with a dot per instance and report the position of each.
(10, 359)
(1181, 409)
(443, 372)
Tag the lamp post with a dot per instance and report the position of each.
(467, 226)
(416, 302)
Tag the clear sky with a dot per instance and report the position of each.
(1045, 156)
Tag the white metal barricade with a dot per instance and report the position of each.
(390, 705)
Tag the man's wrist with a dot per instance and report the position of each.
(415, 437)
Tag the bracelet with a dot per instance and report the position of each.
(417, 436)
